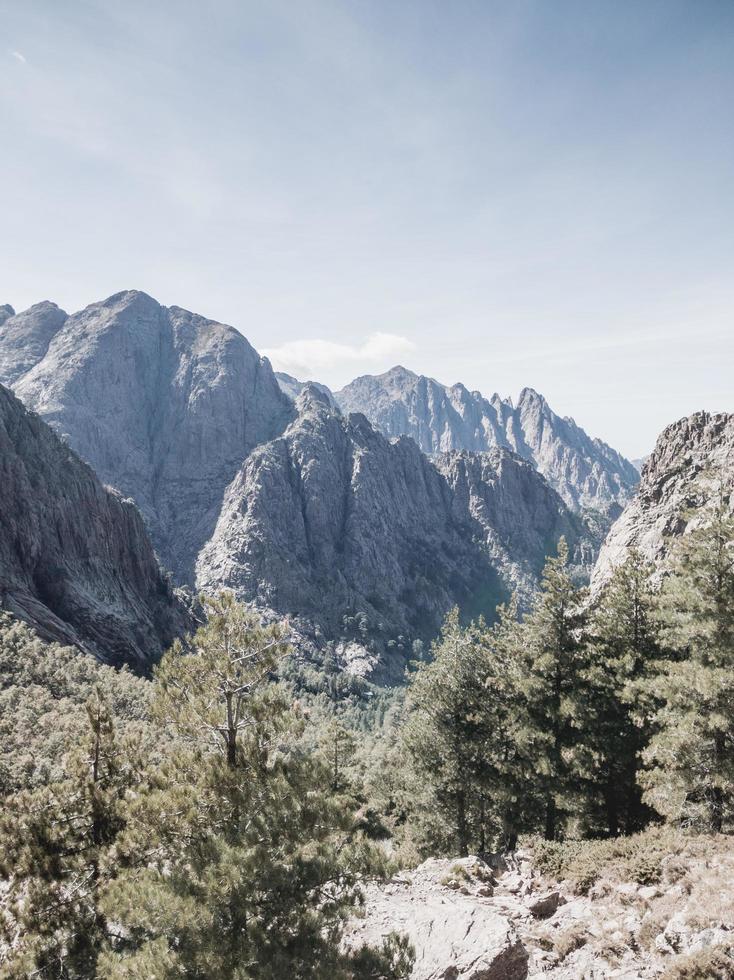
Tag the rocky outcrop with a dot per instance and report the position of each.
(75, 559)
(164, 404)
(470, 919)
(515, 512)
(25, 338)
(293, 387)
(333, 520)
(692, 462)
(585, 471)
(444, 909)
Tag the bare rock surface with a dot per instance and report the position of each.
(25, 338)
(470, 919)
(164, 404)
(332, 520)
(293, 387)
(692, 462)
(586, 472)
(75, 560)
(457, 933)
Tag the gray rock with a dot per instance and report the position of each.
(163, 404)
(25, 338)
(293, 387)
(455, 936)
(585, 471)
(544, 906)
(692, 459)
(333, 520)
(75, 560)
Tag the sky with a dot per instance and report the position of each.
(506, 193)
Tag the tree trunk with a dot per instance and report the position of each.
(462, 834)
(550, 817)
(610, 802)
(231, 734)
(716, 804)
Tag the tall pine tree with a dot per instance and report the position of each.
(623, 647)
(56, 852)
(690, 775)
(552, 659)
(242, 861)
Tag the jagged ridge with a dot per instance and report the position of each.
(585, 471)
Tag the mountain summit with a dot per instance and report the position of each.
(586, 472)
(164, 405)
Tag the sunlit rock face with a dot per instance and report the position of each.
(332, 519)
(164, 404)
(586, 472)
(691, 467)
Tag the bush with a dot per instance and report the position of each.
(715, 963)
(582, 863)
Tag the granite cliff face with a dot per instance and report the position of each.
(25, 338)
(586, 472)
(75, 560)
(293, 387)
(302, 510)
(162, 403)
(692, 460)
(332, 520)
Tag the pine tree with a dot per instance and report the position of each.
(443, 736)
(55, 846)
(690, 759)
(552, 655)
(462, 740)
(242, 862)
(624, 645)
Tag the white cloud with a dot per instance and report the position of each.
(19, 57)
(325, 360)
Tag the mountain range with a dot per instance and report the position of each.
(586, 472)
(363, 515)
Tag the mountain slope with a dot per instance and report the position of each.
(585, 471)
(25, 338)
(333, 520)
(163, 404)
(75, 561)
(293, 387)
(692, 462)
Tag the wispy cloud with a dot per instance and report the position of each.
(314, 359)
(19, 56)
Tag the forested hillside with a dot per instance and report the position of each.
(222, 819)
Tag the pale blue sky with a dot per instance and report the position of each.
(503, 193)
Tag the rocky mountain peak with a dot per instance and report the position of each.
(293, 387)
(26, 337)
(313, 395)
(333, 520)
(529, 396)
(6, 310)
(692, 460)
(164, 404)
(585, 471)
(398, 374)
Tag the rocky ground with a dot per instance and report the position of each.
(658, 906)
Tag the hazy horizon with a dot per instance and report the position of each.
(505, 194)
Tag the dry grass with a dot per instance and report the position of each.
(568, 940)
(715, 963)
(657, 856)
